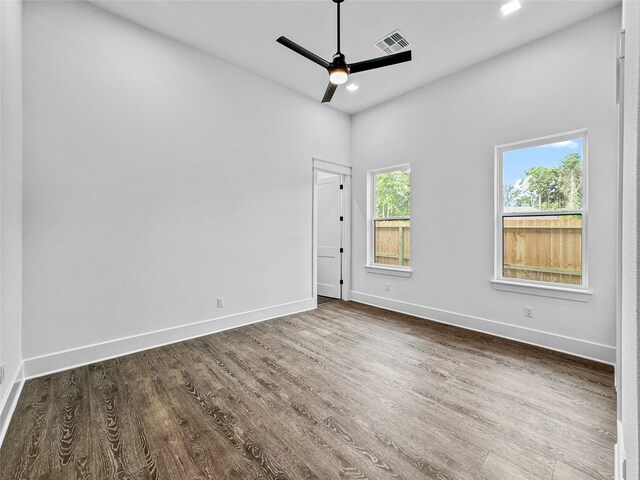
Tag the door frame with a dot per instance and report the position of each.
(319, 165)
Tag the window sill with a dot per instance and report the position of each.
(565, 293)
(396, 271)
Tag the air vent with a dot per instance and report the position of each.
(393, 43)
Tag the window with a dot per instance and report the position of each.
(390, 218)
(542, 211)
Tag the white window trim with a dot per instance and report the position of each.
(372, 267)
(389, 270)
(533, 287)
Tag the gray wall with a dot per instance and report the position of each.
(156, 178)
(10, 195)
(447, 131)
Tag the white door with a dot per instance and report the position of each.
(329, 235)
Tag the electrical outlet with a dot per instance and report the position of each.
(528, 312)
(387, 287)
(220, 302)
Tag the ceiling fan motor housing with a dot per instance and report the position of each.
(339, 62)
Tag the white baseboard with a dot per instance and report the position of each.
(9, 405)
(573, 346)
(619, 453)
(64, 360)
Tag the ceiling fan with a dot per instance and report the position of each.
(338, 68)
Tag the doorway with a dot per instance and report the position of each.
(330, 189)
(331, 231)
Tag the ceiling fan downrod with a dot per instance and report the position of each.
(339, 70)
(338, 2)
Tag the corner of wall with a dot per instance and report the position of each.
(11, 148)
(11, 401)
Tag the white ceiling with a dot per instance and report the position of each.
(447, 36)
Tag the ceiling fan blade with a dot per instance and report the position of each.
(380, 62)
(303, 51)
(328, 94)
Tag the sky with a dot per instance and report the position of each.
(516, 162)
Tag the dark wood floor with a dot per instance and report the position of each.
(344, 391)
(322, 299)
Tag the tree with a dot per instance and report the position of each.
(570, 181)
(392, 194)
(543, 185)
(554, 188)
(511, 195)
(517, 195)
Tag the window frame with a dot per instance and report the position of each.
(371, 266)
(537, 287)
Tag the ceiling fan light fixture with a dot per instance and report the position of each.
(338, 76)
(339, 70)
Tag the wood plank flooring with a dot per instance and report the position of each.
(344, 391)
(322, 299)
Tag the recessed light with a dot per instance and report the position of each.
(510, 7)
(352, 87)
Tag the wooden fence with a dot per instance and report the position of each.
(393, 242)
(547, 249)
